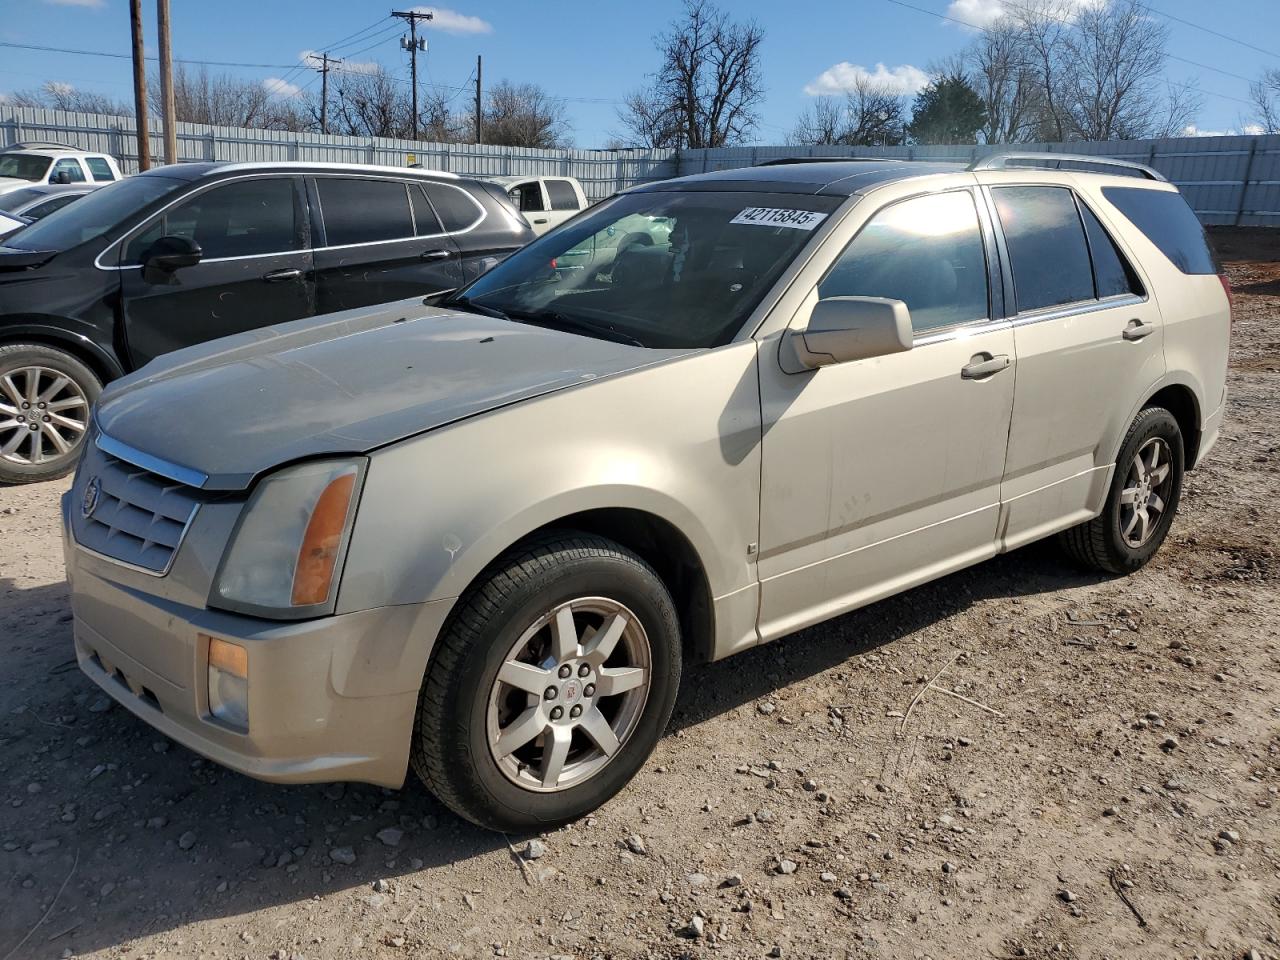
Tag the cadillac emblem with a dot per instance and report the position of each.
(92, 490)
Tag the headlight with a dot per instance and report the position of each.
(285, 556)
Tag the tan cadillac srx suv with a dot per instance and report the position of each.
(478, 537)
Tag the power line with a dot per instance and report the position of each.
(1209, 30)
(125, 56)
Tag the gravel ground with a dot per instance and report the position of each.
(1103, 783)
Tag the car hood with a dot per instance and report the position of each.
(221, 413)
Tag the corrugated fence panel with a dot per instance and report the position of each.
(1226, 179)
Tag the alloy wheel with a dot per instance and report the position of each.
(1145, 494)
(43, 415)
(569, 694)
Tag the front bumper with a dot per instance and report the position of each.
(329, 699)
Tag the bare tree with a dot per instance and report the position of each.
(708, 89)
(1265, 94)
(53, 95)
(524, 115)
(1111, 78)
(1000, 71)
(871, 114)
(1042, 30)
(218, 98)
(369, 104)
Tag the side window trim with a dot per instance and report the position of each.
(947, 332)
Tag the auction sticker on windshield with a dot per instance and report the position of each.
(780, 217)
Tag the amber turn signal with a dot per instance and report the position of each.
(318, 554)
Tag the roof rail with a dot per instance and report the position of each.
(1055, 161)
(783, 161)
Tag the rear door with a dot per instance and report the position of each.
(1088, 340)
(562, 199)
(255, 269)
(530, 199)
(383, 241)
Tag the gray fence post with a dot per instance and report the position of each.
(211, 146)
(1244, 185)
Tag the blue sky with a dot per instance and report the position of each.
(592, 54)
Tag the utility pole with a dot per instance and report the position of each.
(140, 86)
(167, 107)
(479, 109)
(413, 44)
(324, 68)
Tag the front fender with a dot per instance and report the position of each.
(77, 337)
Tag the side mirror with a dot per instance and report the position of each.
(172, 253)
(848, 328)
(60, 177)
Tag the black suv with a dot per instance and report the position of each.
(183, 254)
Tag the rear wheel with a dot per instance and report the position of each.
(550, 685)
(45, 398)
(1145, 490)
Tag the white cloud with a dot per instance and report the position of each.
(277, 87)
(450, 21)
(983, 13)
(1248, 130)
(77, 3)
(312, 59)
(902, 79)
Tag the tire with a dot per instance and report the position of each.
(30, 375)
(1116, 541)
(464, 707)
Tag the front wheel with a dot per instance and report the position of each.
(1145, 490)
(45, 398)
(550, 685)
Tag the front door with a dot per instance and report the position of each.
(254, 271)
(883, 473)
(1089, 349)
(383, 241)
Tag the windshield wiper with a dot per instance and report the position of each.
(466, 303)
(558, 321)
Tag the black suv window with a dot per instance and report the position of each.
(240, 219)
(1047, 247)
(100, 169)
(424, 218)
(563, 196)
(364, 211)
(456, 208)
(927, 252)
(1167, 221)
(1112, 274)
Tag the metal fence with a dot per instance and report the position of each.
(1227, 180)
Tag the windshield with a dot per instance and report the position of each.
(20, 197)
(24, 166)
(658, 269)
(93, 214)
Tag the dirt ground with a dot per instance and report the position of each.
(1105, 783)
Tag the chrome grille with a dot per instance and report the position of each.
(128, 513)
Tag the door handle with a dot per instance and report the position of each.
(541, 220)
(436, 255)
(984, 365)
(276, 276)
(1136, 330)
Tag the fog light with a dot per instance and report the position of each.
(229, 683)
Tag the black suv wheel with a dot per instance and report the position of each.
(45, 398)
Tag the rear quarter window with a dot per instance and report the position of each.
(563, 196)
(1167, 221)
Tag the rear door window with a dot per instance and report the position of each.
(927, 252)
(457, 210)
(424, 218)
(1047, 247)
(1167, 221)
(364, 211)
(1112, 274)
(563, 196)
(100, 169)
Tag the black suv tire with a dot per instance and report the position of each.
(47, 389)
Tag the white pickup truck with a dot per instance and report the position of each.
(27, 165)
(545, 202)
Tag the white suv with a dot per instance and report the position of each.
(481, 538)
(24, 166)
